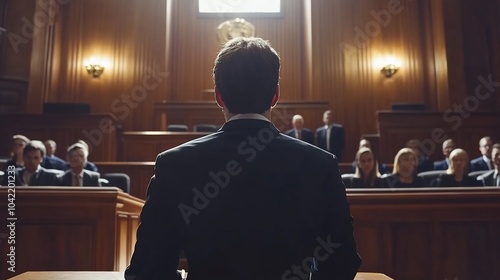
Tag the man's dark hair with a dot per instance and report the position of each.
(246, 73)
(33, 146)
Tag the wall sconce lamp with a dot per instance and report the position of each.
(94, 69)
(389, 70)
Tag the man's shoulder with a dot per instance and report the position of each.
(92, 173)
(192, 145)
(289, 132)
(477, 160)
(337, 125)
(50, 171)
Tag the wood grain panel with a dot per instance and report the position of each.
(428, 233)
(71, 228)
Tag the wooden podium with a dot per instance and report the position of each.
(69, 228)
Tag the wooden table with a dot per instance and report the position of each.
(109, 275)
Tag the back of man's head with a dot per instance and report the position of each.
(246, 73)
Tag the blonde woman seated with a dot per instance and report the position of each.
(366, 174)
(456, 174)
(404, 174)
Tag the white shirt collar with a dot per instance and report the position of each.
(249, 116)
(486, 159)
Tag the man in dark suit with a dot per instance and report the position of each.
(448, 147)
(246, 202)
(492, 178)
(77, 175)
(331, 137)
(32, 174)
(484, 161)
(298, 131)
(51, 161)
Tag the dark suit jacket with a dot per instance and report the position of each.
(448, 180)
(246, 202)
(307, 135)
(53, 163)
(425, 164)
(478, 164)
(488, 179)
(441, 165)
(358, 183)
(393, 181)
(44, 177)
(337, 139)
(90, 178)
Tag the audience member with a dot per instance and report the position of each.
(456, 175)
(299, 131)
(268, 198)
(77, 175)
(51, 161)
(484, 161)
(366, 174)
(32, 174)
(365, 143)
(18, 143)
(448, 146)
(492, 178)
(88, 165)
(423, 162)
(331, 136)
(404, 171)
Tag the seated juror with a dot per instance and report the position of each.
(77, 175)
(32, 174)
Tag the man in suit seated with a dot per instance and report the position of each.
(484, 161)
(331, 136)
(492, 178)
(246, 202)
(51, 161)
(88, 165)
(448, 147)
(32, 174)
(77, 175)
(299, 131)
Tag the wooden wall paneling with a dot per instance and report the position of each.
(436, 51)
(17, 40)
(194, 47)
(477, 42)
(428, 233)
(349, 40)
(78, 227)
(135, 76)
